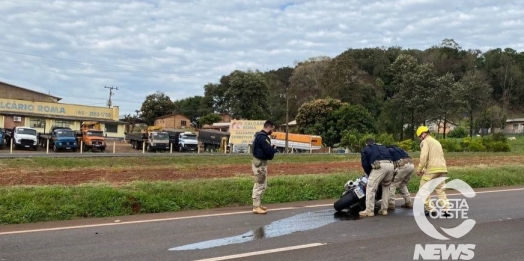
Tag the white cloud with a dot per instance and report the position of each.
(74, 48)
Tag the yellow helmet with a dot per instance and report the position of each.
(421, 130)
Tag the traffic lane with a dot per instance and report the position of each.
(120, 241)
(152, 240)
(500, 240)
(498, 215)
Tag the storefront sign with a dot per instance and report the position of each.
(57, 109)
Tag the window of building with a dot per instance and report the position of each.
(111, 127)
(36, 123)
(183, 123)
(63, 123)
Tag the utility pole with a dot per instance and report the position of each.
(111, 93)
(286, 96)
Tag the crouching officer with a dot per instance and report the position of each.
(404, 169)
(378, 165)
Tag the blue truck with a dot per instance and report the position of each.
(2, 139)
(59, 138)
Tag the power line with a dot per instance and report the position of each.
(104, 65)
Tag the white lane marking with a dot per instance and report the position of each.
(263, 252)
(200, 216)
(148, 220)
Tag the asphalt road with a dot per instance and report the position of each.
(306, 231)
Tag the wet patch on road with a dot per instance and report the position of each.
(301, 222)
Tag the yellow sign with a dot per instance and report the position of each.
(243, 132)
(57, 109)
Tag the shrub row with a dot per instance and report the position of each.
(25, 204)
(496, 142)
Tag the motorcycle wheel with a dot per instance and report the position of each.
(345, 201)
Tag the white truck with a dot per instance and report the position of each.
(22, 137)
(183, 140)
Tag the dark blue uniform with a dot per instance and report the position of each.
(371, 153)
(397, 153)
(262, 148)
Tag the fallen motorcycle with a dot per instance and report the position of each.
(354, 196)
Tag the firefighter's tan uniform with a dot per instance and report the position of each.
(433, 165)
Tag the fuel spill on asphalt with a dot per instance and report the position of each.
(301, 222)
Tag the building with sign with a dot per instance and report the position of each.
(24, 107)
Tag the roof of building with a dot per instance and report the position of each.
(515, 120)
(170, 115)
(73, 118)
(25, 89)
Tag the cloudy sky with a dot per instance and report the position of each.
(74, 48)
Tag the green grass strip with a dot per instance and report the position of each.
(27, 204)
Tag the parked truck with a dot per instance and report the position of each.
(214, 140)
(183, 140)
(2, 138)
(154, 139)
(59, 138)
(21, 137)
(91, 136)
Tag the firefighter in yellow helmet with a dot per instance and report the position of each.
(432, 165)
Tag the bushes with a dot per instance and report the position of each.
(458, 132)
(409, 145)
(485, 144)
(451, 145)
(496, 142)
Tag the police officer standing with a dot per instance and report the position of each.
(378, 165)
(404, 169)
(262, 152)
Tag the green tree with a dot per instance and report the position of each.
(192, 107)
(506, 74)
(446, 101)
(154, 106)
(131, 121)
(345, 80)
(353, 117)
(248, 95)
(413, 84)
(209, 119)
(491, 118)
(278, 83)
(474, 92)
(215, 95)
(305, 82)
(314, 118)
